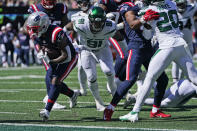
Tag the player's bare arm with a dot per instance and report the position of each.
(63, 48)
(132, 20)
(64, 21)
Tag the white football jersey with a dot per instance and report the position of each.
(93, 41)
(186, 22)
(167, 26)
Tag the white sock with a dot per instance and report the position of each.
(155, 109)
(110, 106)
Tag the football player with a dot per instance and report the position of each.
(171, 48)
(186, 24)
(51, 37)
(139, 53)
(175, 96)
(94, 31)
(57, 13)
(84, 5)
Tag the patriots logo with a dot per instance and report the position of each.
(37, 18)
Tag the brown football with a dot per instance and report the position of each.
(52, 53)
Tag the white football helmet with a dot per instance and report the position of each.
(37, 24)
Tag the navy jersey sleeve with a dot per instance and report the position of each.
(128, 7)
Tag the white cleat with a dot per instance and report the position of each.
(100, 108)
(44, 114)
(73, 99)
(131, 116)
(83, 92)
(56, 106)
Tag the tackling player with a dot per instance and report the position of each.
(51, 37)
(139, 53)
(94, 31)
(171, 48)
(84, 5)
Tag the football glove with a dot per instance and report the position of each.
(43, 56)
(149, 15)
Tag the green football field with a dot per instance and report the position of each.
(22, 92)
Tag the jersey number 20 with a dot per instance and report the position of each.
(168, 21)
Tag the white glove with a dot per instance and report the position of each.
(78, 48)
(43, 56)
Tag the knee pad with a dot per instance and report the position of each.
(92, 78)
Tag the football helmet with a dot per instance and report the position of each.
(84, 5)
(181, 5)
(8, 26)
(97, 18)
(37, 24)
(3, 29)
(48, 4)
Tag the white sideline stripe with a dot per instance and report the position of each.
(13, 113)
(90, 127)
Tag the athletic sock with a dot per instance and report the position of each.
(66, 90)
(53, 95)
(155, 109)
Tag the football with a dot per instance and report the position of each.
(52, 53)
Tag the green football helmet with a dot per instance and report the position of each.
(181, 5)
(97, 18)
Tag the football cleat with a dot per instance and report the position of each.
(56, 106)
(107, 114)
(160, 114)
(131, 116)
(83, 92)
(73, 99)
(100, 108)
(44, 114)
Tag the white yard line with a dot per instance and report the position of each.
(34, 77)
(66, 101)
(13, 113)
(89, 127)
(43, 89)
(39, 82)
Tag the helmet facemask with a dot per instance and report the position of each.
(97, 18)
(48, 4)
(181, 6)
(97, 24)
(37, 24)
